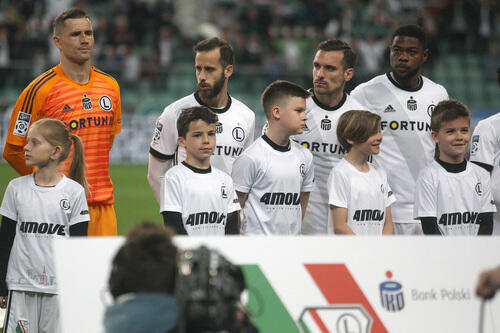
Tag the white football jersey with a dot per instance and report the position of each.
(366, 195)
(42, 214)
(234, 132)
(408, 146)
(320, 137)
(203, 197)
(274, 178)
(455, 199)
(485, 148)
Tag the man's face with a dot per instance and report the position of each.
(75, 40)
(329, 75)
(210, 75)
(407, 56)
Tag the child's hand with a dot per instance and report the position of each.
(3, 302)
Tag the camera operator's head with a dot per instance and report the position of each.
(142, 282)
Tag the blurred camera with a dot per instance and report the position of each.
(209, 289)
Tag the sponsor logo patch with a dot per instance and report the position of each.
(22, 124)
(475, 144)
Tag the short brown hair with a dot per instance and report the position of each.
(350, 57)
(276, 92)
(194, 113)
(72, 13)
(448, 110)
(357, 126)
(225, 49)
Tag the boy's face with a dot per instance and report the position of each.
(293, 116)
(199, 141)
(453, 138)
(371, 146)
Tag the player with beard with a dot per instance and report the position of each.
(214, 60)
(404, 99)
(333, 66)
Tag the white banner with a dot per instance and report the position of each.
(318, 284)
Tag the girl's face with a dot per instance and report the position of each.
(371, 146)
(453, 139)
(38, 151)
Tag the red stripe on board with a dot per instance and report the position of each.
(319, 322)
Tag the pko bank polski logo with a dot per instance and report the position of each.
(391, 294)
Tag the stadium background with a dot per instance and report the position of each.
(146, 46)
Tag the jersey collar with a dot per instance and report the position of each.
(274, 145)
(394, 82)
(228, 105)
(326, 107)
(197, 170)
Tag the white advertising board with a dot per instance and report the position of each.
(317, 284)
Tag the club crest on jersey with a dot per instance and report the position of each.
(430, 109)
(302, 170)
(326, 124)
(475, 144)
(105, 103)
(64, 203)
(22, 326)
(389, 108)
(218, 128)
(238, 134)
(86, 102)
(479, 188)
(411, 104)
(22, 124)
(223, 191)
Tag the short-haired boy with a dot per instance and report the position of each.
(452, 196)
(359, 196)
(196, 198)
(274, 176)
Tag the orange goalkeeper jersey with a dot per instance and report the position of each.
(92, 111)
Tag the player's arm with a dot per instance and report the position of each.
(111, 140)
(488, 283)
(339, 220)
(7, 235)
(79, 229)
(304, 200)
(388, 225)
(156, 170)
(485, 221)
(174, 221)
(430, 225)
(242, 198)
(233, 223)
(14, 155)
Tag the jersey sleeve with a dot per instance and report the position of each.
(244, 173)
(8, 207)
(164, 142)
(80, 210)
(117, 116)
(360, 96)
(170, 194)
(488, 204)
(251, 133)
(233, 202)
(425, 197)
(307, 183)
(390, 198)
(484, 144)
(338, 189)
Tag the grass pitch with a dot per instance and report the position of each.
(134, 200)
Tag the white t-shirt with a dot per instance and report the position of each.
(455, 199)
(203, 197)
(42, 214)
(408, 146)
(320, 137)
(366, 195)
(234, 131)
(274, 178)
(485, 148)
